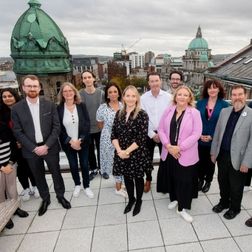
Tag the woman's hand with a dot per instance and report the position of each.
(123, 154)
(174, 150)
(7, 169)
(206, 138)
(75, 144)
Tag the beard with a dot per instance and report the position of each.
(238, 104)
(32, 94)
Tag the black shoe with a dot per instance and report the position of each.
(43, 207)
(219, 208)
(248, 222)
(129, 206)
(200, 184)
(21, 213)
(92, 175)
(65, 203)
(9, 224)
(105, 175)
(206, 187)
(230, 214)
(137, 207)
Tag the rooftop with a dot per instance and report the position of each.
(99, 224)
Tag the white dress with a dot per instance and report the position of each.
(106, 115)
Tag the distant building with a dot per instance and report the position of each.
(39, 47)
(237, 69)
(136, 60)
(8, 80)
(196, 60)
(148, 58)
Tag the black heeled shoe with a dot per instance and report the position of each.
(137, 207)
(129, 206)
(43, 207)
(9, 224)
(21, 213)
(206, 187)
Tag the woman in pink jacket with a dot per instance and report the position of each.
(179, 130)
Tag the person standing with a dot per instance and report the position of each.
(36, 126)
(232, 148)
(8, 158)
(74, 136)
(176, 78)
(210, 107)
(93, 98)
(129, 136)
(8, 98)
(154, 102)
(179, 131)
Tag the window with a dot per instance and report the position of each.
(247, 61)
(238, 60)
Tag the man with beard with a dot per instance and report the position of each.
(176, 78)
(36, 126)
(232, 148)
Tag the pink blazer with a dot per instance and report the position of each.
(189, 134)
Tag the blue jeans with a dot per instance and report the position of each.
(72, 156)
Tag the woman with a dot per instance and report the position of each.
(129, 137)
(210, 107)
(8, 98)
(74, 136)
(105, 117)
(8, 158)
(179, 130)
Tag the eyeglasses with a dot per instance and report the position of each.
(175, 79)
(31, 86)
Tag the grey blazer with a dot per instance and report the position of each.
(241, 143)
(24, 130)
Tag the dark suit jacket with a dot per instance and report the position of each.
(84, 124)
(24, 130)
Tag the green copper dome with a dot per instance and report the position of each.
(38, 45)
(198, 42)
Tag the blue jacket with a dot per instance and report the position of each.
(209, 125)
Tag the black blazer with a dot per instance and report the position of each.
(84, 124)
(24, 130)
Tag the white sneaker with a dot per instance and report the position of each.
(25, 194)
(186, 216)
(246, 188)
(172, 204)
(89, 193)
(76, 191)
(121, 192)
(35, 192)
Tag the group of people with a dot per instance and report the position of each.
(124, 128)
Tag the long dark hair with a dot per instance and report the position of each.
(112, 84)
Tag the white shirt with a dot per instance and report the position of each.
(71, 123)
(155, 107)
(34, 108)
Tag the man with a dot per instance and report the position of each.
(93, 98)
(176, 78)
(37, 127)
(154, 102)
(232, 148)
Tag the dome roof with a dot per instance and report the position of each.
(203, 57)
(198, 42)
(38, 45)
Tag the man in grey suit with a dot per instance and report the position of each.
(232, 148)
(36, 126)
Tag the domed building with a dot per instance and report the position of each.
(196, 60)
(39, 47)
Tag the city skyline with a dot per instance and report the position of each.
(102, 28)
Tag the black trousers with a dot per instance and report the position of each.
(139, 183)
(206, 166)
(24, 173)
(231, 182)
(38, 170)
(94, 141)
(151, 146)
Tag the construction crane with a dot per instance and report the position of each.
(124, 50)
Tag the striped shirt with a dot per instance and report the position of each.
(5, 153)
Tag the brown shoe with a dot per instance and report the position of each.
(147, 186)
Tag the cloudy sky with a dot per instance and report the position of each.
(162, 26)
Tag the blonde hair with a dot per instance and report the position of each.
(77, 98)
(137, 108)
(191, 96)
